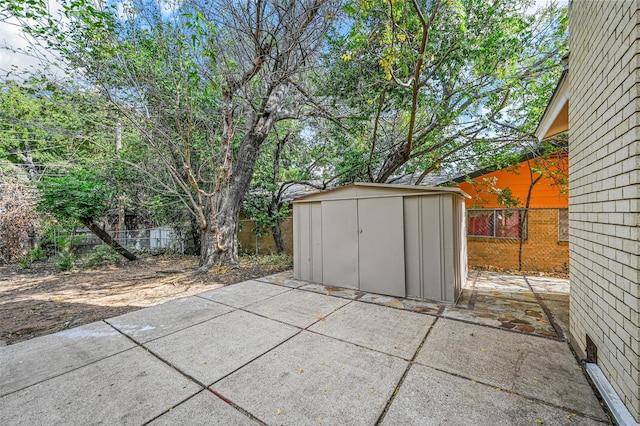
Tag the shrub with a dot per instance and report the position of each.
(102, 255)
(65, 261)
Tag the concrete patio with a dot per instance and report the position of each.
(280, 351)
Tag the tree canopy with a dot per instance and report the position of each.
(429, 84)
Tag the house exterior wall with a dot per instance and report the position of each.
(541, 251)
(604, 203)
(548, 192)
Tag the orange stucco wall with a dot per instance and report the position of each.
(547, 193)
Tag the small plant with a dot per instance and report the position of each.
(282, 260)
(24, 262)
(102, 255)
(65, 261)
(37, 254)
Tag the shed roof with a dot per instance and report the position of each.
(371, 190)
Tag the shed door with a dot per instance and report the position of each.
(340, 243)
(381, 245)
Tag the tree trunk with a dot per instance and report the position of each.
(275, 229)
(194, 231)
(219, 238)
(104, 236)
(524, 218)
(277, 237)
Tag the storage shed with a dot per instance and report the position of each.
(397, 240)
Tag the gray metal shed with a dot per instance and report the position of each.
(398, 240)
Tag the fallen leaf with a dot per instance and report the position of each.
(535, 378)
(299, 370)
(320, 418)
(279, 411)
(322, 363)
(326, 389)
(540, 421)
(483, 349)
(572, 415)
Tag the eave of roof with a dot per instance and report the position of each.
(555, 119)
(400, 190)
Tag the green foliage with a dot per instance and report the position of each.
(440, 85)
(25, 261)
(65, 261)
(34, 255)
(258, 207)
(50, 127)
(102, 255)
(80, 196)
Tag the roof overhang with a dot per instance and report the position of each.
(555, 119)
(378, 190)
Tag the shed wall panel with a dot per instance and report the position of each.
(413, 246)
(460, 238)
(381, 246)
(302, 237)
(340, 243)
(316, 241)
(447, 253)
(431, 271)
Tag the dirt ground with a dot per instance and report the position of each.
(39, 301)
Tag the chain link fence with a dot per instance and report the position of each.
(83, 241)
(140, 240)
(532, 240)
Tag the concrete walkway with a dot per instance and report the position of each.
(280, 351)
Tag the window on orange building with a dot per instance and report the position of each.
(480, 223)
(496, 223)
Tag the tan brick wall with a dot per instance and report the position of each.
(541, 251)
(266, 245)
(604, 206)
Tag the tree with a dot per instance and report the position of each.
(48, 127)
(203, 84)
(79, 196)
(431, 84)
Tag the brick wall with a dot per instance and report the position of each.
(541, 251)
(604, 206)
